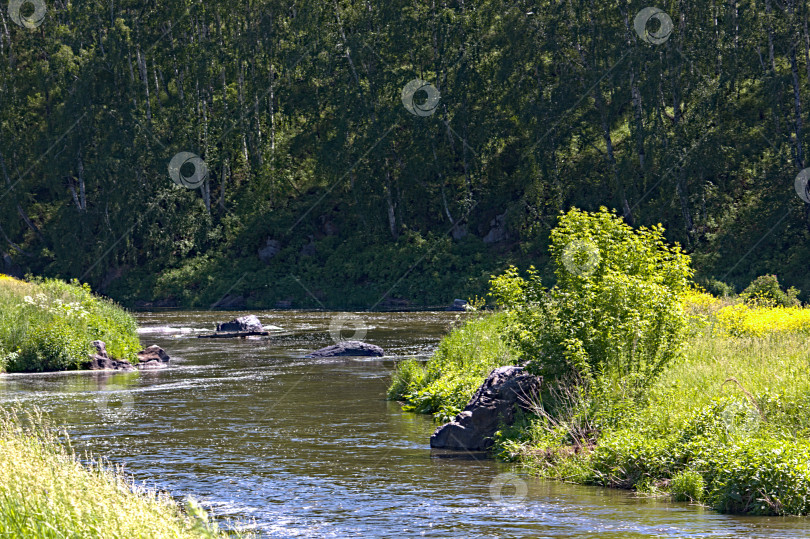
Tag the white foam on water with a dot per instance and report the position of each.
(168, 330)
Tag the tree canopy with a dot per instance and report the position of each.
(397, 149)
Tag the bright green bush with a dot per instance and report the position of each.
(766, 291)
(616, 308)
(48, 325)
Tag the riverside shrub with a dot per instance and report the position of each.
(616, 309)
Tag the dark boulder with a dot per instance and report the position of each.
(498, 231)
(153, 357)
(100, 361)
(248, 323)
(349, 348)
(492, 406)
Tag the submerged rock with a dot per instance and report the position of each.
(100, 361)
(349, 348)
(153, 357)
(242, 324)
(492, 406)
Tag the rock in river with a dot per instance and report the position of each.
(349, 348)
(153, 357)
(242, 324)
(492, 405)
(100, 361)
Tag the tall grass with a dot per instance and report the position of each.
(728, 426)
(48, 325)
(462, 361)
(46, 493)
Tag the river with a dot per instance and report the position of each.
(296, 447)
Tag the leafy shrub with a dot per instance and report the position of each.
(55, 346)
(766, 291)
(758, 476)
(616, 308)
(717, 288)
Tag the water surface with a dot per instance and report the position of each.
(310, 448)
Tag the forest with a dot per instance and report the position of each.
(348, 154)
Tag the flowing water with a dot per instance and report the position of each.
(298, 447)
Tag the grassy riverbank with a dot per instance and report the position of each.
(723, 422)
(46, 493)
(48, 325)
(727, 426)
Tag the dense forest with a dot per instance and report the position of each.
(391, 154)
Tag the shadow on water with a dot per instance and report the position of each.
(310, 448)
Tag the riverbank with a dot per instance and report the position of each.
(726, 427)
(49, 325)
(648, 383)
(46, 492)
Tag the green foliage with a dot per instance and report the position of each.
(301, 149)
(687, 485)
(727, 427)
(615, 310)
(445, 383)
(48, 325)
(717, 288)
(766, 291)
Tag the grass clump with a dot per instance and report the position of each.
(462, 361)
(687, 486)
(48, 325)
(45, 492)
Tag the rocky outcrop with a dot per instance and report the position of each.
(349, 348)
(270, 249)
(493, 405)
(153, 357)
(250, 323)
(497, 231)
(100, 361)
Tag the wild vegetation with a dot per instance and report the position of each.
(49, 325)
(714, 411)
(296, 109)
(46, 492)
